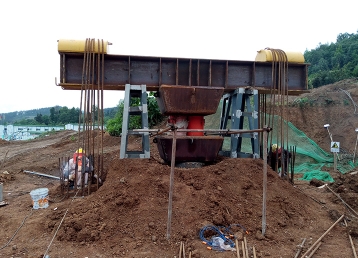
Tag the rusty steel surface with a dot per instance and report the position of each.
(156, 71)
(190, 148)
(185, 100)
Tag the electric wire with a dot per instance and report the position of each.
(58, 228)
(350, 97)
(17, 230)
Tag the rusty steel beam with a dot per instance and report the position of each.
(156, 71)
(184, 100)
(189, 148)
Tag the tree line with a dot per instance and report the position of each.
(114, 125)
(59, 116)
(113, 117)
(333, 62)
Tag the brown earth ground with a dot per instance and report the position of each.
(128, 215)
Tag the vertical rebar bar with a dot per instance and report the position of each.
(264, 183)
(171, 186)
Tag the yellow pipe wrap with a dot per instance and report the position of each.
(79, 46)
(292, 57)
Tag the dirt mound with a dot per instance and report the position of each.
(228, 192)
(128, 215)
(309, 112)
(340, 93)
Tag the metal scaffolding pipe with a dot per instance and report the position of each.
(42, 174)
(227, 131)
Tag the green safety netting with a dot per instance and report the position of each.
(311, 160)
(320, 175)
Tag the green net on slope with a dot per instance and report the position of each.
(320, 175)
(310, 158)
(306, 146)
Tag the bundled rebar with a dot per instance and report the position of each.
(91, 109)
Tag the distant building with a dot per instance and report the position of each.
(25, 132)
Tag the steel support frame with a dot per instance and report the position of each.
(238, 105)
(135, 91)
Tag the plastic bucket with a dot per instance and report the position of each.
(39, 198)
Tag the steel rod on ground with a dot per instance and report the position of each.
(181, 249)
(314, 250)
(320, 238)
(42, 174)
(300, 247)
(353, 248)
(237, 248)
(243, 250)
(171, 186)
(346, 204)
(351, 241)
(246, 248)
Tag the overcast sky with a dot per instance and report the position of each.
(232, 30)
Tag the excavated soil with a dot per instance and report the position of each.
(128, 215)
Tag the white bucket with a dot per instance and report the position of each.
(39, 198)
